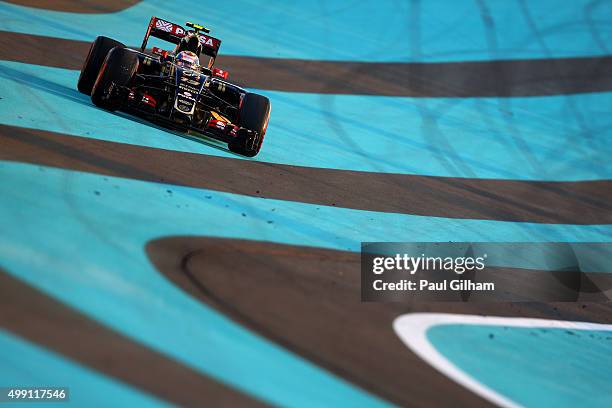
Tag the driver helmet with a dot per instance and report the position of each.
(190, 42)
(187, 59)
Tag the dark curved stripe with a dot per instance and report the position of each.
(78, 6)
(43, 320)
(533, 77)
(585, 202)
(307, 300)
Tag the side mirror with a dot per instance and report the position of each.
(220, 73)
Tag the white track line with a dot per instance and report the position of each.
(412, 330)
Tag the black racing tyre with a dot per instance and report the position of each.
(254, 115)
(95, 57)
(117, 71)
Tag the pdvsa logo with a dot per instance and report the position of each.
(207, 41)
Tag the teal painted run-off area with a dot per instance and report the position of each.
(80, 237)
(357, 31)
(532, 366)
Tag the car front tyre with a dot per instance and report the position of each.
(116, 73)
(93, 62)
(254, 114)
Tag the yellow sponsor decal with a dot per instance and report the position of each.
(219, 117)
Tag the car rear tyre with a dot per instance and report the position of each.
(253, 115)
(116, 73)
(95, 57)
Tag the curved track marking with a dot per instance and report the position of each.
(511, 78)
(43, 320)
(450, 138)
(351, 31)
(307, 299)
(588, 202)
(412, 330)
(103, 272)
(27, 364)
(78, 6)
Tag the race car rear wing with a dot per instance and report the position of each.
(173, 33)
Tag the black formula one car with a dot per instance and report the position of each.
(174, 88)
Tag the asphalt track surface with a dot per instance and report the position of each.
(160, 269)
(533, 77)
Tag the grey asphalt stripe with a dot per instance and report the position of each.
(531, 77)
(39, 318)
(584, 202)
